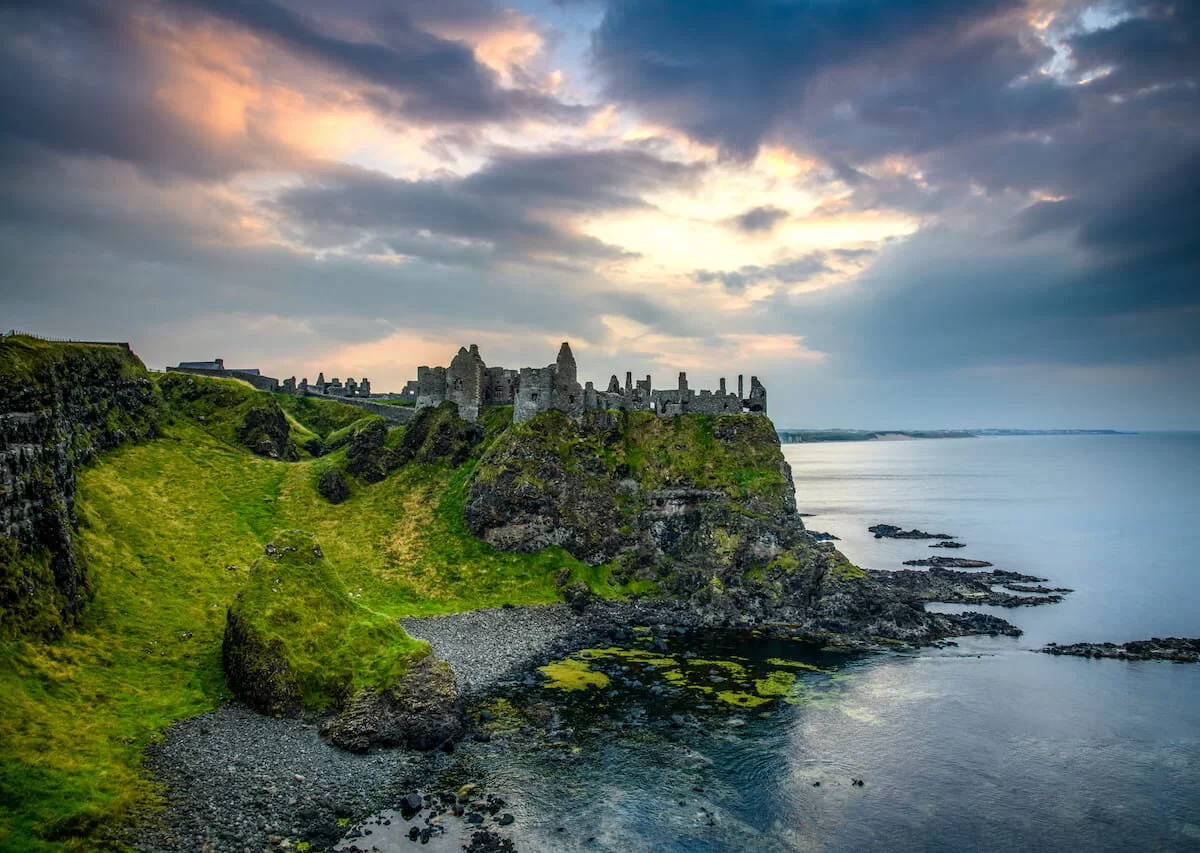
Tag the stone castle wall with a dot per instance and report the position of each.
(470, 384)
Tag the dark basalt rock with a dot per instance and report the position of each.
(949, 563)
(1177, 649)
(264, 431)
(948, 544)
(823, 537)
(439, 435)
(368, 457)
(422, 712)
(955, 587)
(333, 486)
(891, 531)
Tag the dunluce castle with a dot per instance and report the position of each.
(470, 384)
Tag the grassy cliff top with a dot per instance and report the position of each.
(30, 367)
(736, 454)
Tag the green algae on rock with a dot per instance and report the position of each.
(572, 674)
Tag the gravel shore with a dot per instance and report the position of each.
(238, 780)
(490, 647)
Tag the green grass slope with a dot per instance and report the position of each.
(170, 528)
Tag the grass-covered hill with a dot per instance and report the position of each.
(171, 519)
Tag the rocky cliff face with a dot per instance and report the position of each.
(701, 506)
(60, 405)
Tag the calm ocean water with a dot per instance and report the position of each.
(986, 747)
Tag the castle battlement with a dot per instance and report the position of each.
(471, 384)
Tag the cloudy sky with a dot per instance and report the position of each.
(919, 213)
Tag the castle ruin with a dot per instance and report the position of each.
(470, 384)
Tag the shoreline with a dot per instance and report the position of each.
(239, 780)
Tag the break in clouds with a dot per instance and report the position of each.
(918, 214)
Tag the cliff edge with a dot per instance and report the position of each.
(60, 405)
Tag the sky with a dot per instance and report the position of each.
(906, 214)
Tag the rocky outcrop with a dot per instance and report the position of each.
(947, 585)
(437, 435)
(696, 501)
(60, 406)
(871, 607)
(333, 486)
(232, 411)
(368, 456)
(701, 508)
(949, 563)
(264, 430)
(1178, 649)
(423, 711)
(891, 531)
(295, 643)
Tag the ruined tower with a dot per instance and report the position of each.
(568, 393)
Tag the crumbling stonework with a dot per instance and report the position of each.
(470, 384)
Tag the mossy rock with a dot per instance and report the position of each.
(368, 456)
(295, 641)
(333, 486)
(439, 436)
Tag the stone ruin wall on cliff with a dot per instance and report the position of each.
(470, 384)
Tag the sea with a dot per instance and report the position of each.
(983, 746)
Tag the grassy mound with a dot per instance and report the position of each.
(296, 640)
(234, 412)
(322, 417)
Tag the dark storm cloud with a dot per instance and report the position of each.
(731, 72)
(1156, 47)
(760, 219)
(503, 208)
(793, 271)
(133, 270)
(435, 79)
(1107, 279)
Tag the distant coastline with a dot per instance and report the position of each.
(798, 436)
